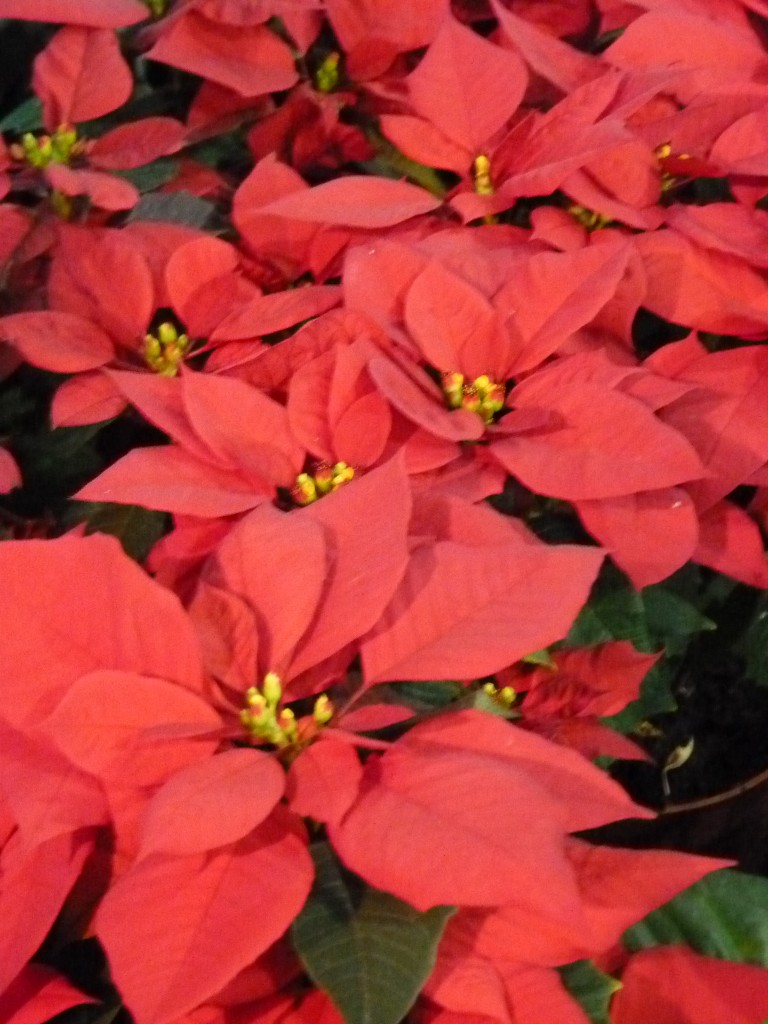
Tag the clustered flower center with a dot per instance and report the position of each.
(326, 478)
(164, 351)
(481, 395)
(40, 151)
(267, 722)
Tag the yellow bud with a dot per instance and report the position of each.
(304, 491)
(490, 689)
(166, 333)
(327, 75)
(323, 709)
(286, 722)
(453, 388)
(508, 695)
(272, 689)
(481, 175)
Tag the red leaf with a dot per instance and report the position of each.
(617, 888)
(467, 612)
(133, 705)
(355, 201)
(226, 628)
(552, 295)
(212, 803)
(84, 269)
(80, 604)
(242, 428)
(422, 402)
(494, 800)
(220, 911)
(169, 479)
(251, 60)
(608, 444)
(93, 13)
(27, 908)
(103, 190)
(87, 398)
(730, 542)
(358, 21)
(467, 87)
(725, 417)
(550, 57)
(679, 39)
(455, 326)
(47, 795)
(323, 780)
(674, 985)
(269, 313)
(62, 342)
(366, 524)
(81, 75)
(422, 142)
(137, 143)
(649, 535)
(277, 563)
(10, 475)
(38, 994)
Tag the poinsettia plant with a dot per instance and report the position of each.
(383, 444)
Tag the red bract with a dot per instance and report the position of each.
(233, 448)
(674, 985)
(92, 13)
(453, 786)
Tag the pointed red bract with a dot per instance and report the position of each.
(250, 60)
(467, 87)
(220, 911)
(37, 994)
(121, 620)
(477, 609)
(93, 13)
(674, 985)
(62, 342)
(81, 75)
(355, 201)
(494, 800)
(212, 803)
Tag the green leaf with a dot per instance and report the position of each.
(656, 698)
(27, 117)
(426, 696)
(176, 207)
(591, 989)
(151, 176)
(135, 527)
(368, 950)
(724, 915)
(672, 619)
(754, 645)
(615, 611)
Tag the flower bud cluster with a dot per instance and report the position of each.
(267, 722)
(482, 395)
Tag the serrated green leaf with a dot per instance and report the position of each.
(135, 527)
(27, 117)
(368, 950)
(591, 989)
(723, 915)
